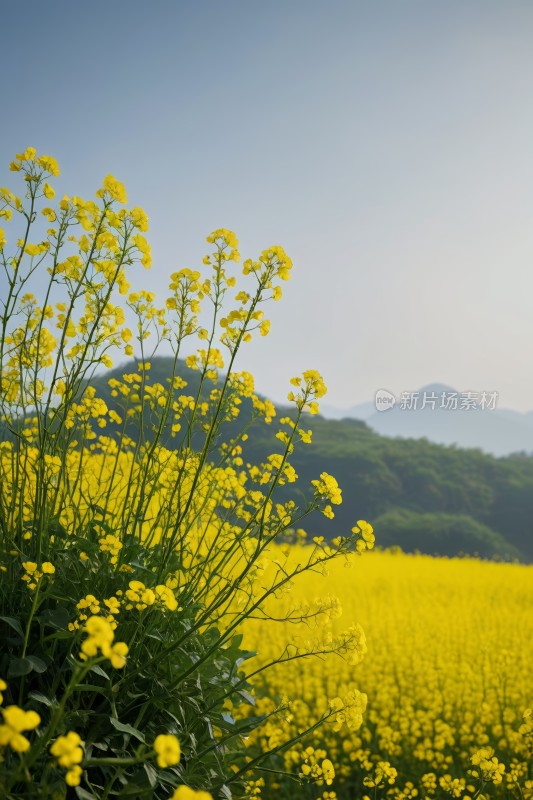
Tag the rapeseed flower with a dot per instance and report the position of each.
(168, 750)
(16, 722)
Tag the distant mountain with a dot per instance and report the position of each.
(493, 430)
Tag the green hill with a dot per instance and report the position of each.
(433, 498)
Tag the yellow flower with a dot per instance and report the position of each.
(168, 750)
(139, 218)
(2, 239)
(68, 749)
(48, 192)
(148, 597)
(328, 771)
(49, 164)
(328, 487)
(16, 720)
(488, 765)
(27, 155)
(115, 189)
(111, 543)
(100, 638)
(186, 793)
(144, 248)
(3, 687)
(48, 568)
(227, 238)
(117, 655)
(167, 597)
(383, 773)
(73, 776)
(90, 602)
(314, 382)
(36, 249)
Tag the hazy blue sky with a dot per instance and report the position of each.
(388, 146)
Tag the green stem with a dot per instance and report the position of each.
(27, 635)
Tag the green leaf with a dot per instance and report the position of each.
(57, 618)
(57, 530)
(83, 794)
(124, 728)
(14, 623)
(99, 671)
(38, 665)
(247, 696)
(91, 687)
(99, 509)
(135, 790)
(156, 635)
(235, 642)
(244, 655)
(59, 635)
(100, 745)
(58, 790)
(40, 698)
(18, 667)
(139, 566)
(151, 773)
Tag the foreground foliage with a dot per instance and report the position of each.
(128, 566)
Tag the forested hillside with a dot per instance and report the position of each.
(418, 495)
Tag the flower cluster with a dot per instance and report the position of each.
(167, 749)
(68, 750)
(16, 723)
(316, 767)
(110, 544)
(100, 640)
(486, 766)
(311, 386)
(367, 538)
(328, 489)
(186, 793)
(349, 710)
(140, 596)
(383, 773)
(34, 573)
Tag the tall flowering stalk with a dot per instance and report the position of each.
(134, 537)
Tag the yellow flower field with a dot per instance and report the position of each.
(448, 671)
